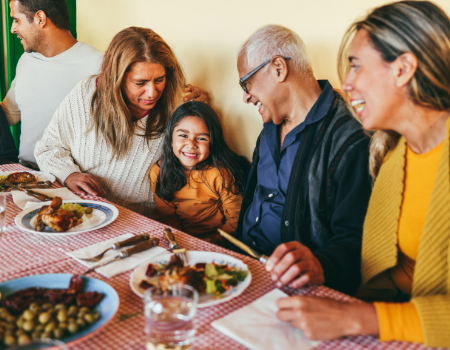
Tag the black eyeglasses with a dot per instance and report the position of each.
(242, 82)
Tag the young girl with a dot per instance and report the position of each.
(197, 183)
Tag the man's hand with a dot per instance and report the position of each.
(294, 264)
(323, 318)
(194, 93)
(80, 183)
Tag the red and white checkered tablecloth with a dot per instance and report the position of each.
(24, 254)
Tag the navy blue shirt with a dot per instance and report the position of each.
(262, 221)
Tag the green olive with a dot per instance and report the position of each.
(4, 312)
(58, 333)
(62, 315)
(60, 306)
(89, 318)
(39, 328)
(78, 214)
(29, 315)
(71, 320)
(50, 327)
(23, 339)
(88, 210)
(81, 323)
(47, 335)
(19, 322)
(34, 306)
(9, 340)
(73, 310)
(73, 328)
(28, 326)
(45, 317)
(19, 332)
(35, 335)
(63, 325)
(10, 326)
(47, 306)
(11, 319)
(84, 310)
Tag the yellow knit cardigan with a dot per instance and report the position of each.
(431, 281)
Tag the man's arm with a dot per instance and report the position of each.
(10, 107)
(337, 263)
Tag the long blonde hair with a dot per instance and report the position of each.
(417, 27)
(110, 116)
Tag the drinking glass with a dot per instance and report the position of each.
(2, 213)
(169, 317)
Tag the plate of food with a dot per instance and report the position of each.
(16, 177)
(217, 277)
(57, 306)
(68, 217)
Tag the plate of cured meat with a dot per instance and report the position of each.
(16, 177)
(58, 306)
(217, 277)
(66, 217)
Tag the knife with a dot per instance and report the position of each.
(261, 257)
(153, 242)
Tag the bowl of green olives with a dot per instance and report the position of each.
(64, 321)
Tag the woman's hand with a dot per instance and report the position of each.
(194, 93)
(80, 183)
(324, 319)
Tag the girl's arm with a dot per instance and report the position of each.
(166, 211)
(231, 206)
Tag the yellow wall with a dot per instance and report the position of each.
(205, 35)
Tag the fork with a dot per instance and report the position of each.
(180, 252)
(126, 243)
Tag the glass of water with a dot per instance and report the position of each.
(2, 213)
(169, 317)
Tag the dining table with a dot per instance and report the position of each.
(24, 254)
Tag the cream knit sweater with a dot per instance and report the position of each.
(65, 148)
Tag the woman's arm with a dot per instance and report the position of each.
(53, 152)
(324, 319)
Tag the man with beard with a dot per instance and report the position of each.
(53, 63)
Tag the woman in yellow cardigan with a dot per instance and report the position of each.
(397, 72)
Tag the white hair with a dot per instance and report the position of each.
(273, 39)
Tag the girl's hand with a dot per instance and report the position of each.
(324, 319)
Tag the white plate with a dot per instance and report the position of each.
(40, 175)
(102, 215)
(195, 257)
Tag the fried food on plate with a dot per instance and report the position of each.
(16, 178)
(56, 218)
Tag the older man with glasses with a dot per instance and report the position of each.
(309, 186)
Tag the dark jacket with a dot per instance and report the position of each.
(7, 147)
(327, 196)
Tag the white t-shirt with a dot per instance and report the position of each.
(40, 85)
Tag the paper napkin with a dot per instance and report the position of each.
(23, 200)
(256, 326)
(118, 266)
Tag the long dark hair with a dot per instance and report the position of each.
(172, 177)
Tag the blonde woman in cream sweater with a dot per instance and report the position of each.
(107, 133)
(398, 81)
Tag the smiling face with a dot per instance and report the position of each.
(143, 86)
(371, 84)
(190, 141)
(262, 90)
(29, 34)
